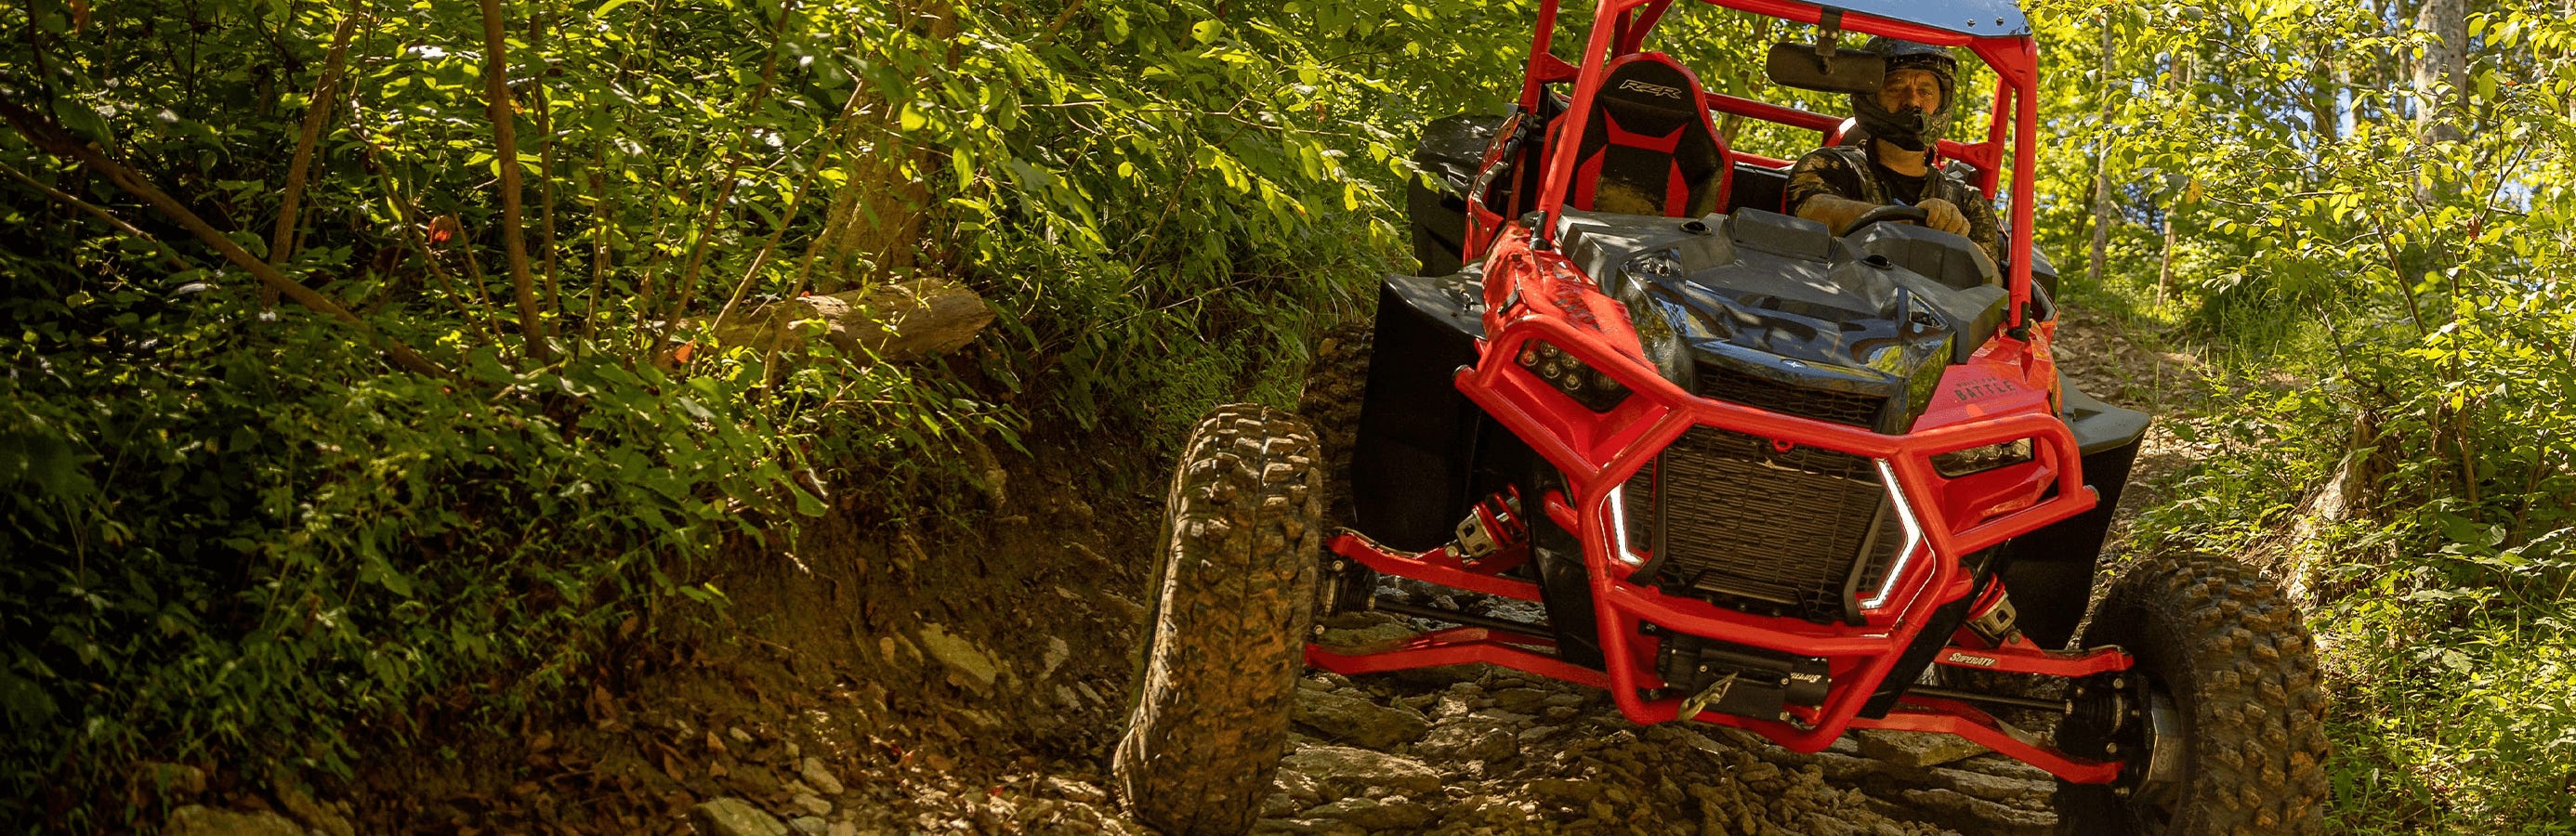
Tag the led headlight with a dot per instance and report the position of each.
(1585, 384)
(1981, 459)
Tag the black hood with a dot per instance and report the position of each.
(1772, 311)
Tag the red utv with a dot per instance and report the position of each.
(1757, 474)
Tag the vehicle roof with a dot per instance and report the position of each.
(1974, 18)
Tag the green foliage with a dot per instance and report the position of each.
(237, 538)
(230, 526)
(238, 531)
(1157, 180)
(2377, 252)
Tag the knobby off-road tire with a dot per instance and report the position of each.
(2233, 655)
(1233, 599)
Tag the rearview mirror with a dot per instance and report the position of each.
(1851, 70)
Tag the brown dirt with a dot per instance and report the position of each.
(2110, 361)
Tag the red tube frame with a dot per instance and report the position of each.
(2015, 59)
(1598, 452)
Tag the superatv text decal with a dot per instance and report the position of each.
(1958, 658)
(1577, 311)
(1984, 387)
(1664, 90)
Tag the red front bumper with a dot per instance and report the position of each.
(1597, 452)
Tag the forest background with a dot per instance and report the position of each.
(331, 400)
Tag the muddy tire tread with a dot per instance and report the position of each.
(2254, 706)
(1232, 603)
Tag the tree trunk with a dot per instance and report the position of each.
(317, 111)
(885, 200)
(2177, 187)
(2103, 210)
(2445, 61)
(505, 145)
(2325, 94)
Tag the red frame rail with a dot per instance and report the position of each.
(1532, 293)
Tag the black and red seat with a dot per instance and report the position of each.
(1648, 147)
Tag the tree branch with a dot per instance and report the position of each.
(96, 211)
(733, 176)
(54, 140)
(317, 110)
(496, 94)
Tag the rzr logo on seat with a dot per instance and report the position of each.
(1665, 91)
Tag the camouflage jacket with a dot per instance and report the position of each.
(1844, 171)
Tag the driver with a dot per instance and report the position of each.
(1890, 163)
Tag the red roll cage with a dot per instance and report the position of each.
(2014, 57)
(1532, 294)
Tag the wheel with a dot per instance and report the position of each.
(1233, 597)
(2221, 723)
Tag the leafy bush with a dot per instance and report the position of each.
(239, 536)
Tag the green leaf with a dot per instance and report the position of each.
(373, 569)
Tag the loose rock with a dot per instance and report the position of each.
(1358, 721)
(1521, 700)
(968, 665)
(1341, 771)
(1057, 652)
(314, 815)
(821, 778)
(1365, 632)
(736, 817)
(1470, 740)
(1390, 813)
(1916, 748)
(194, 820)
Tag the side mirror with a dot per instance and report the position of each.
(1801, 66)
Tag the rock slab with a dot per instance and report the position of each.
(1357, 721)
(1906, 748)
(968, 665)
(1344, 771)
(195, 820)
(819, 777)
(736, 817)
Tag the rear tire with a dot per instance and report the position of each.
(2232, 656)
(1233, 599)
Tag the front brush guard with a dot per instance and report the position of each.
(1599, 451)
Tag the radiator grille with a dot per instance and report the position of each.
(1738, 523)
(1733, 386)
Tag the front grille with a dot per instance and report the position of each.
(1736, 522)
(1733, 386)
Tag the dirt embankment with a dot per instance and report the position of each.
(969, 678)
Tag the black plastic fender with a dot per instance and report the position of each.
(2050, 571)
(1424, 452)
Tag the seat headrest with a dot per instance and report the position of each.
(1652, 95)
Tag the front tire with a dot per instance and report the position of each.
(1233, 599)
(2228, 658)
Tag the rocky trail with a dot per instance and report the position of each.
(969, 678)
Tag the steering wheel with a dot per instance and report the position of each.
(1892, 212)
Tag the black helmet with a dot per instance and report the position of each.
(1911, 131)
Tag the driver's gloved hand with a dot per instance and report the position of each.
(1944, 216)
